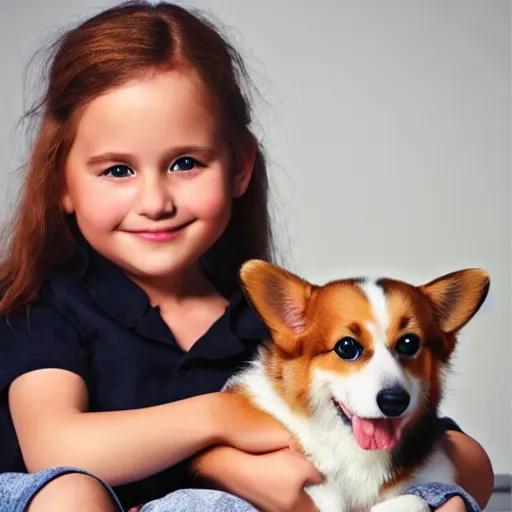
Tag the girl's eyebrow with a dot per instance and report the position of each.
(114, 156)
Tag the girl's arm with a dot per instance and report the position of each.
(475, 473)
(49, 407)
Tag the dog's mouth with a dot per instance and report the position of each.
(372, 433)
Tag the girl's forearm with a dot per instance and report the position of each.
(219, 467)
(126, 446)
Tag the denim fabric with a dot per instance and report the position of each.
(198, 500)
(436, 494)
(18, 489)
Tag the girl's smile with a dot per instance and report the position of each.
(159, 234)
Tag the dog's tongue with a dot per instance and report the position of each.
(375, 434)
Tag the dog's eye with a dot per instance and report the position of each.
(408, 345)
(348, 349)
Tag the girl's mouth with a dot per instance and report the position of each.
(160, 235)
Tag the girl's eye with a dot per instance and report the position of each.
(185, 163)
(119, 171)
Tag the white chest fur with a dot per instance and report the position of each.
(353, 477)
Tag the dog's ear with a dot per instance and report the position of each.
(279, 298)
(456, 297)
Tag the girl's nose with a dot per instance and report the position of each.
(155, 198)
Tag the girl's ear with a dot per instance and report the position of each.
(66, 202)
(244, 167)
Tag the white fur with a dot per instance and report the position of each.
(377, 299)
(353, 476)
(405, 503)
(438, 468)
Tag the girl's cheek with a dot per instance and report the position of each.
(211, 199)
(102, 211)
(212, 204)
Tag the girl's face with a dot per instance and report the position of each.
(150, 177)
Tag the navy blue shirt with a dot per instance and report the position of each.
(97, 323)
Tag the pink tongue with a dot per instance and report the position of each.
(376, 434)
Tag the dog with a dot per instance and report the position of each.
(355, 369)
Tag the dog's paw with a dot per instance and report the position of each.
(404, 503)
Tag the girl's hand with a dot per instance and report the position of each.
(244, 427)
(276, 481)
(455, 504)
(272, 482)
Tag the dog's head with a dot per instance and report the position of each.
(370, 353)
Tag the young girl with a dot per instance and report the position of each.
(122, 317)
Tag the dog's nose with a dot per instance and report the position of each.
(393, 401)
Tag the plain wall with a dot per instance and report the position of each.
(387, 126)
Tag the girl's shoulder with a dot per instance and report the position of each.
(36, 338)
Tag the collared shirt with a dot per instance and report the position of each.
(94, 321)
(97, 323)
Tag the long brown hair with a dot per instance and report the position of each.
(103, 52)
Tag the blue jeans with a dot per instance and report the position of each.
(18, 489)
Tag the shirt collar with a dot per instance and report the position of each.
(128, 304)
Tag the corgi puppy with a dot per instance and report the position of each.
(355, 371)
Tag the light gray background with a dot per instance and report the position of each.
(387, 125)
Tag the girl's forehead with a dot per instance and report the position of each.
(173, 105)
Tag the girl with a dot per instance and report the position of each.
(122, 317)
